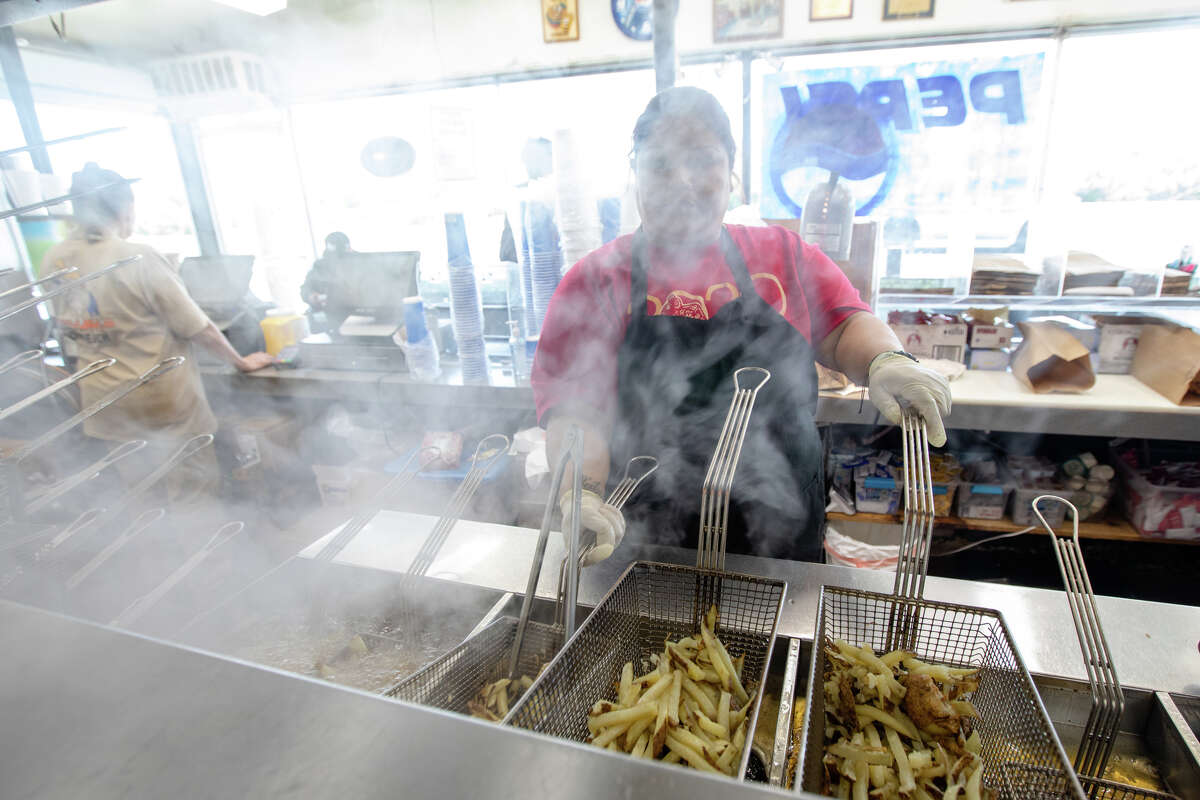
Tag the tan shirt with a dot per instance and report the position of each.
(138, 314)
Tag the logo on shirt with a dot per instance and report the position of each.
(81, 321)
(683, 304)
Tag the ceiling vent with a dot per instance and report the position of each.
(214, 83)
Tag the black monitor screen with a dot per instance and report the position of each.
(373, 283)
(217, 280)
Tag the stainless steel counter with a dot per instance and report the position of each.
(1118, 405)
(1155, 645)
(97, 713)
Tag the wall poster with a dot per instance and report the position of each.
(927, 134)
(560, 21)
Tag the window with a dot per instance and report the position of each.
(144, 150)
(941, 145)
(1123, 179)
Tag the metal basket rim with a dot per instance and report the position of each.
(403, 683)
(752, 719)
(828, 590)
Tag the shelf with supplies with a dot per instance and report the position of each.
(1115, 530)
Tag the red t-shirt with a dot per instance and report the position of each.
(576, 360)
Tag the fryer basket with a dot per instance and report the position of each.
(1013, 726)
(652, 602)
(1094, 788)
(453, 680)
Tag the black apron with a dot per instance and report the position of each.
(674, 386)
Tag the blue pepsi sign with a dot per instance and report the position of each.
(892, 133)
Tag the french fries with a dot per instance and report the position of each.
(897, 728)
(690, 709)
(495, 699)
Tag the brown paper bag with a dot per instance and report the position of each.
(1052, 360)
(1168, 361)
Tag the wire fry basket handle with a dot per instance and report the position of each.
(486, 456)
(161, 368)
(648, 465)
(20, 359)
(761, 373)
(1108, 699)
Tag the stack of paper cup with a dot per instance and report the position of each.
(466, 304)
(578, 222)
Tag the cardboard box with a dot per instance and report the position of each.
(948, 341)
(1118, 342)
(994, 336)
(988, 359)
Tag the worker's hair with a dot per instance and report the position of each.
(337, 242)
(107, 198)
(683, 102)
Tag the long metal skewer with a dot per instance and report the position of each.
(157, 371)
(336, 544)
(718, 482)
(21, 358)
(141, 523)
(372, 508)
(1108, 700)
(486, 453)
(138, 608)
(44, 296)
(70, 380)
(24, 287)
(52, 493)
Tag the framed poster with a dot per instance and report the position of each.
(736, 20)
(830, 9)
(907, 9)
(560, 21)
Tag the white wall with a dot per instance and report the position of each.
(409, 42)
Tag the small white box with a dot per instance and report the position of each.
(1118, 342)
(991, 335)
(948, 341)
(988, 359)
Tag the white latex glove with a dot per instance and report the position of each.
(597, 516)
(895, 381)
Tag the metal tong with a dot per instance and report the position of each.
(70, 380)
(138, 608)
(718, 482)
(44, 296)
(646, 465)
(1108, 701)
(572, 452)
(486, 453)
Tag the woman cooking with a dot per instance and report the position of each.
(642, 338)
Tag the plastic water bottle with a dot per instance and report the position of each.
(420, 352)
(516, 345)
